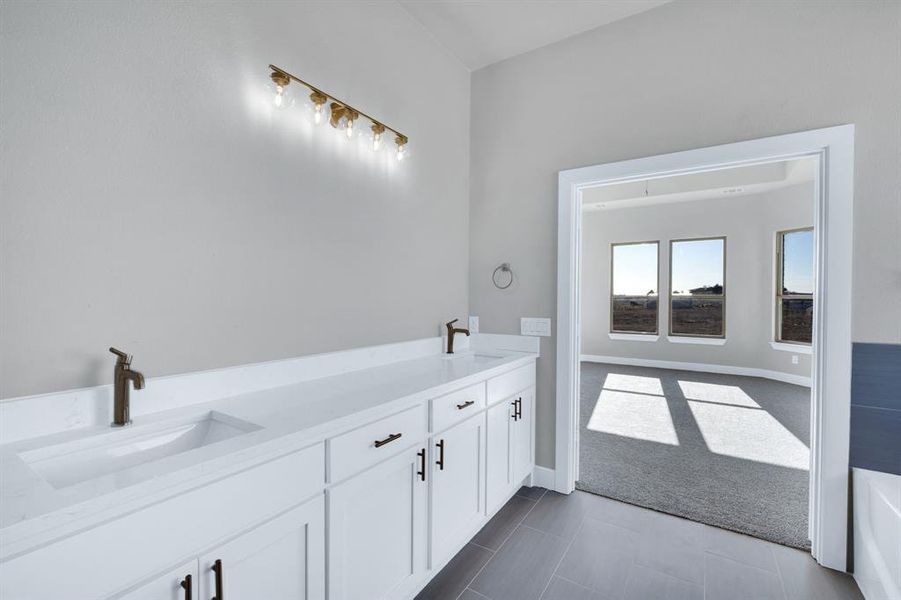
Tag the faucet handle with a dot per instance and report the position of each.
(452, 322)
(124, 358)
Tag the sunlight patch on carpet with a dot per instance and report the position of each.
(716, 392)
(639, 416)
(750, 434)
(633, 383)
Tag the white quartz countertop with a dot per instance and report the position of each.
(288, 418)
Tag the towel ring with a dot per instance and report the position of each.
(503, 268)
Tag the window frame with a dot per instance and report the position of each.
(722, 297)
(779, 296)
(611, 295)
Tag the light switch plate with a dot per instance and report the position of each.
(538, 326)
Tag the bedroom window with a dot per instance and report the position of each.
(794, 286)
(698, 287)
(634, 287)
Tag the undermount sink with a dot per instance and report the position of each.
(118, 451)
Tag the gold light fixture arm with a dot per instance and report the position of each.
(343, 109)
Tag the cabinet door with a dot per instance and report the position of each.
(499, 480)
(281, 559)
(524, 437)
(457, 488)
(378, 530)
(177, 584)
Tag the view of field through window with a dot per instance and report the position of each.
(634, 288)
(697, 287)
(795, 288)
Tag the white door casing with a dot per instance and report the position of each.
(833, 148)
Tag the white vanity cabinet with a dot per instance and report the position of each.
(378, 529)
(283, 558)
(510, 445)
(457, 486)
(523, 429)
(370, 507)
(499, 476)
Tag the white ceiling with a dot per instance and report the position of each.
(722, 183)
(482, 32)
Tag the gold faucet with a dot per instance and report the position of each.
(451, 330)
(122, 374)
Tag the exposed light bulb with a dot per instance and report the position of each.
(401, 142)
(281, 81)
(318, 99)
(377, 130)
(349, 128)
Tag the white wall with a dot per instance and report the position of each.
(151, 199)
(685, 75)
(750, 224)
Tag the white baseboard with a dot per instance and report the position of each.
(702, 367)
(544, 477)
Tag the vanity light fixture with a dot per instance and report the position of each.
(341, 114)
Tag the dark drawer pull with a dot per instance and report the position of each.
(515, 415)
(465, 404)
(440, 461)
(186, 586)
(387, 440)
(519, 408)
(421, 471)
(217, 569)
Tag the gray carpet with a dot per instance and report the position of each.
(725, 450)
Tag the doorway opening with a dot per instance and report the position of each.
(714, 412)
(686, 407)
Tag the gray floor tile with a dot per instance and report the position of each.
(559, 514)
(561, 589)
(647, 584)
(532, 493)
(471, 595)
(521, 569)
(453, 578)
(600, 557)
(727, 579)
(502, 524)
(804, 579)
(742, 548)
(620, 514)
(673, 546)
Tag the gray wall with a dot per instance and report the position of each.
(750, 224)
(150, 198)
(681, 76)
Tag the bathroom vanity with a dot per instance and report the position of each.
(359, 479)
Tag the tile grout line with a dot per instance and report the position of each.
(565, 552)
(779, 573)
(502, 544)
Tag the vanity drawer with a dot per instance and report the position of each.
(365, 446)
(457, 406)
(504, 386)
